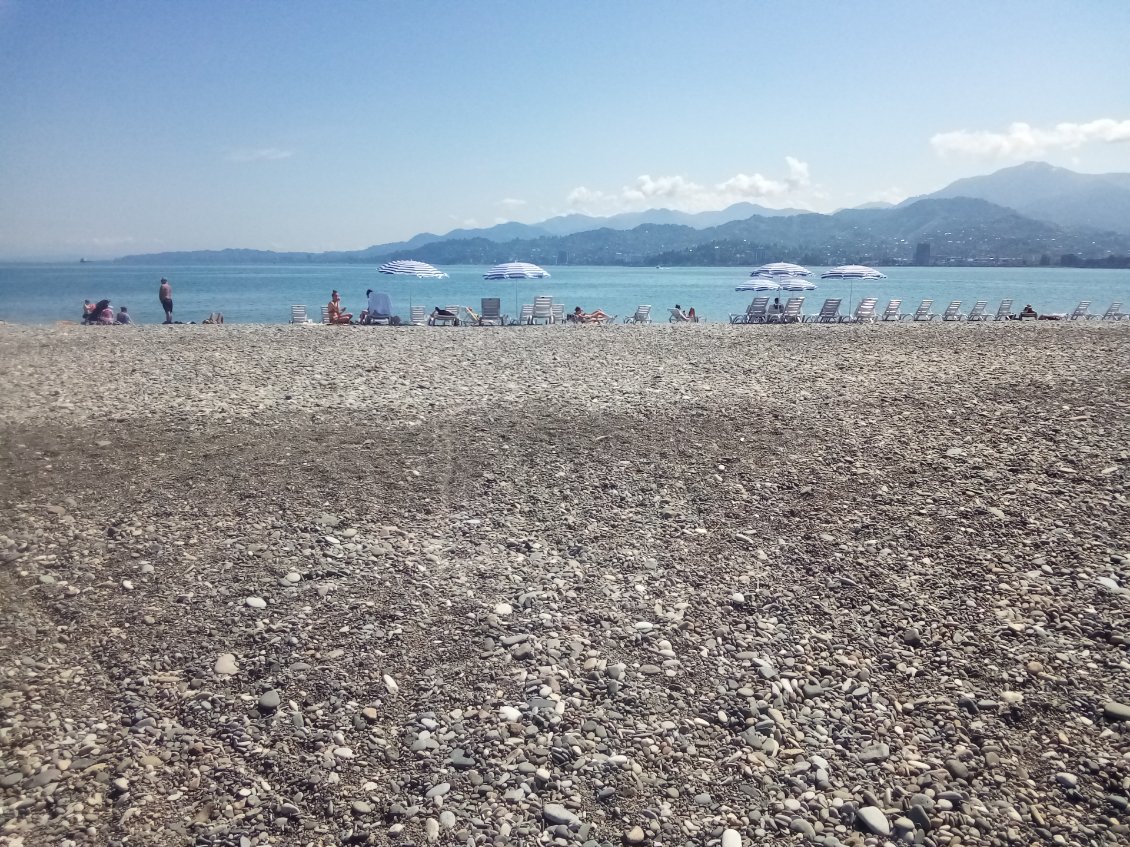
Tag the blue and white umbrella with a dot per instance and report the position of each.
(779, 269)
(760, 283)
(407, 267)
(516, 270)
(852, 273)
(797, 284)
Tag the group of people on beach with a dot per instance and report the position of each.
(103, 313)
(377, 308)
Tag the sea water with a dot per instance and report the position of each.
(45, 293)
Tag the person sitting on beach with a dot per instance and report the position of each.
(88, 314)
(677, 314)
(106, 314)
(1028, 312)
(691, 316)
(123, 316)
(334, 312)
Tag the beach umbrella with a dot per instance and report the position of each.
(797, 284)
(852, 273)
(516, 271)
(779, 269)
(760, 283)
(407, 267)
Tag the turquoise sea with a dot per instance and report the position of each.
(45, 293)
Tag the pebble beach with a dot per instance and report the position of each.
(659, 585)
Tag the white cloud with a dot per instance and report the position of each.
(511, 202)
(1023, 140)
(678, 192)
(261, 154)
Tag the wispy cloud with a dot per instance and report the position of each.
(1021, 140)
(259, 154)
(511, 203)
(678, 192)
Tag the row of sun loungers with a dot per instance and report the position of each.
(544, 311)
(760, 311)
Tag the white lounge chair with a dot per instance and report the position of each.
(864, 311)
(298, 315)
(642, 315)
(677, 317)
(977, 313)
(1004, 311)
(1083, 310)
(491, 314)
(756, 312)
(923, 313)
(543, 310)
(893, 311)
(325, 314)
(829, 313)
(526, 314)
(953, 311)
(1114, 313)
(792, 313)
(558, 312)
(417, 316)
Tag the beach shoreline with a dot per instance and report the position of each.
(305, 584)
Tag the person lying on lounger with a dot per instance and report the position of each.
(582, 317)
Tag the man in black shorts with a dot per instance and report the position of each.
(165, 293)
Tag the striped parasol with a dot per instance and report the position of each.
(516, 270)
(779, 269)
(760, 283)
(852, 273)
(406, 267)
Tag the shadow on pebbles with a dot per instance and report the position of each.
(714, 586)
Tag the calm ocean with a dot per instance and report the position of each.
(44, 293)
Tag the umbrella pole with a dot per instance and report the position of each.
(517, 311)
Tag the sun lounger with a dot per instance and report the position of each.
(450, 319)
(756, 312)
(380, 309)
(677, 317)
(543, 310)
(1083, 310)
(829, 313)
(526, 315)
(325, 314)
(977, 313)
(491, 314)
(1114, 313)
(792, 313)
(558, 312)
(864, 311)
(298, 315)
(417, 316)
(923, 313)
(642, 315)
(1004, 311)
(893, 311)
(953, 311)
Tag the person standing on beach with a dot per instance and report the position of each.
(165, 293)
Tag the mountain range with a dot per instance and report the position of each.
(1030, 212)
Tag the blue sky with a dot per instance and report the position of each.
(132, 127)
